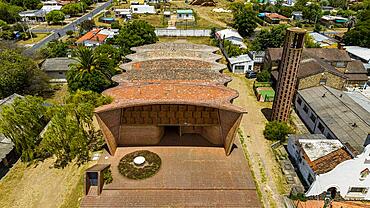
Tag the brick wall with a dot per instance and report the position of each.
(332, 80)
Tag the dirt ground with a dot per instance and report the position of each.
(42, 186)
(268, 175)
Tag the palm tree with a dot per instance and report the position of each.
(86, 60)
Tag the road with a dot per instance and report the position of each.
(57, 33)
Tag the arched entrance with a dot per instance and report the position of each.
(331, 192)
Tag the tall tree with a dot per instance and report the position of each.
(312, 12)
(9, 13)
(27, 4)
(244, 19)
(273, 38)
(55, 49)
(359, 35)
(55, 17)
(20, 74)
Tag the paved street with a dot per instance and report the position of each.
(57, 33)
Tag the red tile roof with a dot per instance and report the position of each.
(276, 16)
(93, 35)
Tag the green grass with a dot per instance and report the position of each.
(39, 37)
(157, 20)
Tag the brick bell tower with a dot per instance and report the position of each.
(288, 68)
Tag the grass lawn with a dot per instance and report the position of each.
(195, 40)
(156, 20)
(39, 37)
(42, 186)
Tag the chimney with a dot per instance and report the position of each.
(340, 46)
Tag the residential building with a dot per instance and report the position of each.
(231, 35)
(241, 64)
(314, 154)
(329, 20)
(323, 40)
(258, 58)
(185, 14)
(56, 68)
(166, 105)
(287, 78)
(96, 37)
(330, 66)
(297, 15)
(360, 53)
(32, 16)
(142, 9)
(350, 179)
(49, 6)
(275, 18)
(123, 13)
(333, 113)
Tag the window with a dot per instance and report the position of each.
(321, 127)
(313, 117)
(310, 179)
(135, 9)
(329, 136)
(323, 81)
(358, 190)
(305, 108)
(249, 68)
(299, 101)
(239, 69)
(340, 64)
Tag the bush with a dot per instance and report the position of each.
(107, 176)
(69, 33)
(263, 76)
(277, 131)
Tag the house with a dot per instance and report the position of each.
(56, 68)
(137, 2)
(330, 20)
(275, 18)
(314, 154)
(32, 16)
(157, 107)
(123, 13)
(231, 35)
(203, 2)
(49, 6)
(142, 9)
(258, 58)
(330, 66)
(241, 64)
(333, 113)
(323, 40)
(96, 37)
(350, 179)
(297, 15)
(185, 14)
(8, 155)
(360, 53)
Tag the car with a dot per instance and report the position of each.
(251, 74)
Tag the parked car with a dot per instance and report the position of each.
(251, 74)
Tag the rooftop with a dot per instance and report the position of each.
(57, 64)
(93, 35)
(349, 122)
(227, 33)
(275, 16)
(171, 46)
(323, 40)
(363, 53)
(184, 11)
(328, 54)
(240, 59)
(177, 54)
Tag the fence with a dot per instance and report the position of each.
(182, 33)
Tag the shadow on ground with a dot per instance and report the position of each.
(267, 112)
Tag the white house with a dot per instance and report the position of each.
(241, 64)
(233, 36)
(313, 154)
(185, 14)
(350, 179)
(49, 6)
(142, 9)
(124, 13)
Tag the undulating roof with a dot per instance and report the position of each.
(171, 46)
(342, 115)
(168, 54)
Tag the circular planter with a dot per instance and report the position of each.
(139, 164)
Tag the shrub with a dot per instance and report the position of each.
(107, 176)
(277, 131)
(69, 32)
(263, 76)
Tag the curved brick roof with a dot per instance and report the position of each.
(171, 46)
(161, 93)
(167, 54)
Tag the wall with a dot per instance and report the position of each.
(245, 65)
(140, 135)
(56, 74)
(332, 80)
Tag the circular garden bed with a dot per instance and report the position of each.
(128, 168)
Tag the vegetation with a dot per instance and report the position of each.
(151, 166)
(55, 17)
(92, 72)
(359, 35)
(244, 19)
(135, 33)
(74, 9)
(277, 131)
(68, 133)
(264, 76)
(27, 4)
(107, 176)
(9, 13)
(273, 38)
(55, 49)
(86, 26)
(309, 43)
(233, 50)
(20, 74)
(110, 52)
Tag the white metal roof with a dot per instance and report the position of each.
(240, 59)
(317, 148)
(226, 33)
(363, 53)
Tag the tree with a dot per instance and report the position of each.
(71, 134)
(135, 33)
(309, 42)
(3, 24)
(312, 12)
(74, 9)
(233, 50)
(112, 53)
(55, 49)
(22, 122)
(115, 25)
(244, 19)
(360, 33)
(9, 13)
(88, 2)
(273, 38)
(20, 75)
(27, 4)
(277, 131)
(87, 25)
(55, 17)
(264, 76)
(88, 73)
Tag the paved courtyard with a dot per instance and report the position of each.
(188, 177)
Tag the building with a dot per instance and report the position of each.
(203, 2)
(185, 14)
(96, 37)
(241, 64)
(314, 154)
(288, 68)
(333, 113)
(258, 59)
(275, 18)
(32, 16)
(179, 108)
(350, 179)
(297, 15)
(231, 35)
(142, 9)
(123, 13)
(360, 53)
(323, 40)
(49, 6)
(338, 68)
(56, 68)
(329, 20)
